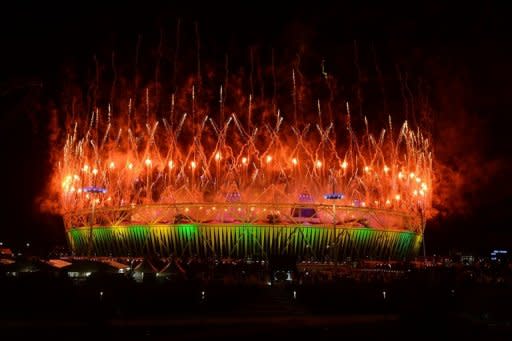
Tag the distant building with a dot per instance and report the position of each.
(467, 259)
(5, 252)
(500, 256)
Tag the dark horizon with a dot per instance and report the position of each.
(462, 54)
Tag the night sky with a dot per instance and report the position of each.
(460, 53)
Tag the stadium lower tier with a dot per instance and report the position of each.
(319, 242)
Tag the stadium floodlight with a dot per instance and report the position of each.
(333, 196)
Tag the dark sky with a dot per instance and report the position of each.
(461, 51)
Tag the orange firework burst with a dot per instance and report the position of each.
(191, 159)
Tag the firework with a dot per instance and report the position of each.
(161, 162)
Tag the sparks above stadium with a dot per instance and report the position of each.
(241, 182)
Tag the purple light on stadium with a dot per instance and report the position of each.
(94, 189)
(305, 197)
(333, 196)
(233, 197)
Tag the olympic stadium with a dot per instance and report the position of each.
(236, 230)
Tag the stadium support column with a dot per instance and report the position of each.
(91, 224)
(334, 197)
(334, 231)
(423, 241)
(92, 190)
(423, 226)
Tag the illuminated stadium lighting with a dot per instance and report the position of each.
(94, 189)
(333, 196)
(233, 197)
(305, 197)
